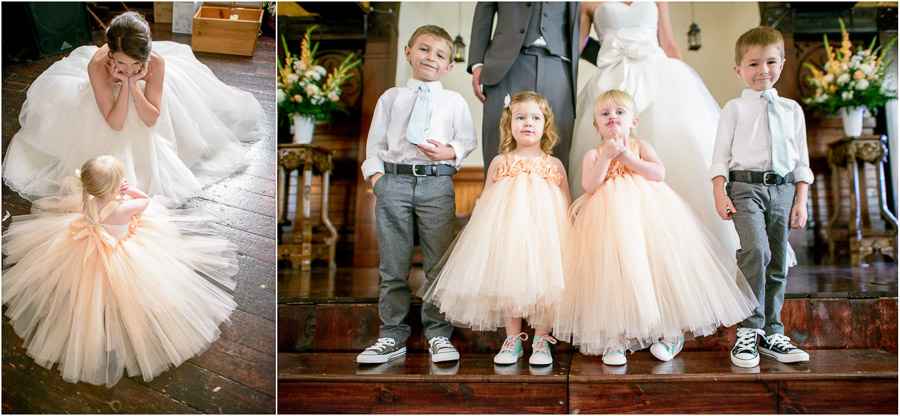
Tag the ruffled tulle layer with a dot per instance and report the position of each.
(641, 268)
(195, 141)
(99, 307)
(507, 261)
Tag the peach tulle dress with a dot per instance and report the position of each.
(642, 267)
(507, 261)
(100, 298)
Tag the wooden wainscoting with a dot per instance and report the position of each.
(468, 183)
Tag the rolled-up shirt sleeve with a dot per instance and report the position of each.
(376, 142)
(464, 140)
(802, 172)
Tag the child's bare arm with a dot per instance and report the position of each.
(594, 167)
(648, 165)
(798, 211)
(724, 206)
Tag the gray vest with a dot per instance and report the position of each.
(548, 19)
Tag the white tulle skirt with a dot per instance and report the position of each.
(100, 306)
(507, 261)
(641, 267)
(195, 141)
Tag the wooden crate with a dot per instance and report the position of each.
(162, 12)
(215, 31)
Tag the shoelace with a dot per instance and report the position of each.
(540, 344)
(780, 341)
(669, 344)
(382, 344)
(440, 342)
(746, 337)
(510, 344)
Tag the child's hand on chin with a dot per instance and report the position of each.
(123, 188)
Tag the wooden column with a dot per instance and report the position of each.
(380, 67)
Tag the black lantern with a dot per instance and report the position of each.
(693, 33)
(459, 49)
(694, 37)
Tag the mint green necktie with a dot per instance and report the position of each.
(779, 145)
(421, 116)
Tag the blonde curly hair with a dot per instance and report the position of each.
(550, 136)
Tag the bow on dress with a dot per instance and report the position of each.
(624, 58)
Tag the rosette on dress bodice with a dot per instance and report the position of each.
(515, 165)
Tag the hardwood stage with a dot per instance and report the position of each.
(237, 373)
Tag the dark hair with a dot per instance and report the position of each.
(129, 33)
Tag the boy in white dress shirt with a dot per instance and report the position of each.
(419, 135)
(761, 150)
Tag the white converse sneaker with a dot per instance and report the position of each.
(666, 350)
(383, 350)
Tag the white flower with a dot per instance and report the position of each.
(843, 79)
(334, 97)
(298, 98)
(313, 75)
(280, 96)
(311, 90)
(847, 95)
(827, 66)
(862, 84)
(299, 66)
(321, 70)
(293, 78)
(855, 58)
(866, 69)
(506, 101)
(828, 78)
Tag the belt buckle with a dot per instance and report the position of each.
(770, 174)
(414, 166)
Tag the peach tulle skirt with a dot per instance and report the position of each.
(507, 261)
(642, 267)
(100, 306)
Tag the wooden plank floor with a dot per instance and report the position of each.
(237, 373)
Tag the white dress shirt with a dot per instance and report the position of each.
(450, 123)
(742, 138)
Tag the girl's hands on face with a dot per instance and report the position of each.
(614, 145)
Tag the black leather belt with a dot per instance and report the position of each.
(419, 170)
(760, 177)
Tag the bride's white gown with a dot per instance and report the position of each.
(195, 141)
(677, 114)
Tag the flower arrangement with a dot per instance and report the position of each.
(850, 79)
(305, 87)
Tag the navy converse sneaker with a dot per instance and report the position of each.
(779, 347)
(383, 350)
(744, 353)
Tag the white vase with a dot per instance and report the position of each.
(303, 128)
(852, 117)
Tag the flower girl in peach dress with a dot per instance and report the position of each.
(102, 280)
(506, 265)
(642, 269)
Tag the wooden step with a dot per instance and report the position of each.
(335, 383)
(833, 381)
(813, 323)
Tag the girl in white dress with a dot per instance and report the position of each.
(175, 126)
(678, 115)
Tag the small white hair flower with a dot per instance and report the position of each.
(78, 173)
(506, 101)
